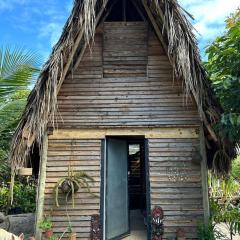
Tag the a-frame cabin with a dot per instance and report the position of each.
(123, 98)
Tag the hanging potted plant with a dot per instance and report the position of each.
(70, 185)
(46, 226)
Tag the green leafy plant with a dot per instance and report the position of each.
(236, 169)
(227, 214)
(223, 187)
(209, 232)
(223, 69)
(69, 185)
(46, 224)
(25, 195)
(53, 238)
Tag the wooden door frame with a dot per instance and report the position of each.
(148, 195)
(103, 185)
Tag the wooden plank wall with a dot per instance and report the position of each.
(175, 183)
(126, 80)
(83, 155)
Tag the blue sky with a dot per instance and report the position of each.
(37, 24)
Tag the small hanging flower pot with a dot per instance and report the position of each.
(70, 185)
(66, 187)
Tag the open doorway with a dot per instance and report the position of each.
(137, 190)
(125, 189)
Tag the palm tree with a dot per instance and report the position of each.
(18, 70)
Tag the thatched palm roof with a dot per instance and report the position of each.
(176, 34)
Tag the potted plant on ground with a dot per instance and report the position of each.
(46, 226)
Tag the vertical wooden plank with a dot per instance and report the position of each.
(204, 174)
(41, 186)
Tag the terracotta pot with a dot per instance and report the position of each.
(48, 233)
(73, 236)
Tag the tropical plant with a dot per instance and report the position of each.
(209, 232)
(10, 112)
(225, 214)
(236, 169)
(18, 69)
(69, 185)
(223, 187)
(53, 237)
(25, 195)
(45, 224)
(223, 67)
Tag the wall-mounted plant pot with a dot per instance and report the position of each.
(25, 171)
(48, 233)
(66, 187)
(73, 236)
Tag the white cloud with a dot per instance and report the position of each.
(210, 15)
(51, 31)
(10, 4)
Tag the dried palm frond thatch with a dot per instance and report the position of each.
(182, 50)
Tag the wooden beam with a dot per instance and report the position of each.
(75, 47)
(85, 44)
(41, 187)
(146, 132)
(157, 30)
(204, 176)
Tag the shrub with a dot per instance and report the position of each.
(24, 198)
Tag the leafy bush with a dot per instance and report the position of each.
(46, 224)
(227, 214)
(24, 197)
(223, 69)
(236, 169)
(208, 232)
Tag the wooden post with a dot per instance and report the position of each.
(41, 186)
(204, 175)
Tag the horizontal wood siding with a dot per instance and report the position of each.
(175, 183)
(82, 155)
(125, 50)
(124, 80)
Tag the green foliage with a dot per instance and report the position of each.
(236, 169)
(18, 68)
(208, 232)
(223, 67)
(18, 71)
(25, 194)
(226, 213)
(70, 184)
(46, 224)
(10, 113)
(225, 187)
(53, 237)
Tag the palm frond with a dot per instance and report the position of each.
(18, 69)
